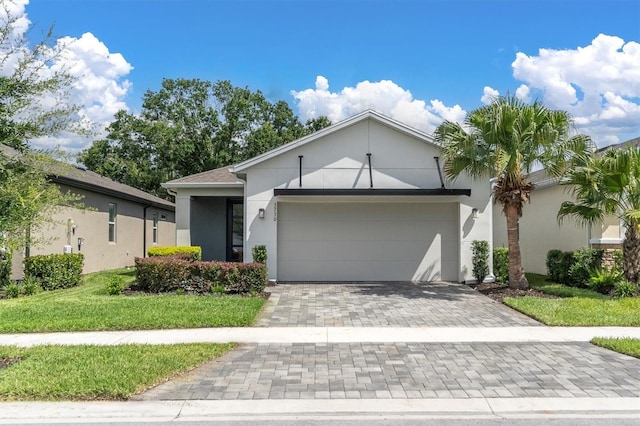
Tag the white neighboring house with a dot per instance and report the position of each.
(361, 200)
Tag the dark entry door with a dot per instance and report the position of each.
(235, 230)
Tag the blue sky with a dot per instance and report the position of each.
(412, 53)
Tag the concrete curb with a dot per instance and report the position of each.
(323, 335)
(164, 411)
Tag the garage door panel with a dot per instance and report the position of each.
(367, 241)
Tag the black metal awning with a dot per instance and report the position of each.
(370, 191)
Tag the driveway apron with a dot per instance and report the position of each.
(401, 370)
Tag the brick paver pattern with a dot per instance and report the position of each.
(408, 370)
(396, 304)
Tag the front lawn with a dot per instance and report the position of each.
(577, 307)
(88, 307)
(625, 346)
(96, 372)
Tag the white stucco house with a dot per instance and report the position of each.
(361, 200)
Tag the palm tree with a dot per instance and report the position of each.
(505, 141)
(608, 184)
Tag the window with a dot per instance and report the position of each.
(155, 228)
(112, 222)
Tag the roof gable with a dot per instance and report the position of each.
(366, 115)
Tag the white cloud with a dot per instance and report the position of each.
(598, 84)
(523, 92)
(383, 96)
(489, 94)
(99, 87)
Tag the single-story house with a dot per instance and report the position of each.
(540, 231)
(119, 223)
(363, 199)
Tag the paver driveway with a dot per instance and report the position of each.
(385, 304)
(401, 370)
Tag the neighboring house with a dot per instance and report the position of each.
(540, 231)
(119, 223)
(359, 200)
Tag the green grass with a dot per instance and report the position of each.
(88, 307)
(96, 372)
(577, 307)
(625, 346)
(539, 282)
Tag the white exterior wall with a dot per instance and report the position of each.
(339, 160)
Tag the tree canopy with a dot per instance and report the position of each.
(505, 141)
(34, 95)
(190, 126)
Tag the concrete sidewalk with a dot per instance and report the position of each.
(301, 410)
(323, 335)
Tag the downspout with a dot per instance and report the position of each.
(370, 171)
(300, 157)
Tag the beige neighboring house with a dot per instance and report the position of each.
(539, 228)
(360, 200)
(120, 223)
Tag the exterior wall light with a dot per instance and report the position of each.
(474, 213)
(261, 213)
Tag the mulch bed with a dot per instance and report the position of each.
(497, 292)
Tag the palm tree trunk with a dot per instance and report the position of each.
(631, 253)
(517, 279)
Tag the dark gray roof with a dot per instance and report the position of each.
(635, 142)
(541, 175)
(77, 177)
(221, 175)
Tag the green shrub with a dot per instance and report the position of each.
(116, 285)
(603, 280)
(194, 252)
(501, 264)
(480, 250)
(617, 256)
(259, 253)
(161, 274)
(168, 274)
(558, 265)
(55, 271)
(625, 288)
(30, 286)
(585, 260)
(11, 290)
(5, 267)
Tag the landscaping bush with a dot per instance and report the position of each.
(194, 252)
(116, 286)
(5, 267)
(259, 253)
(625, 288)
(30, 286)
(604, 280)
(501, 265)
(168, 273)
(480, 250)
(55, 271)
(585, 260)
(162, 274)
(11, 290)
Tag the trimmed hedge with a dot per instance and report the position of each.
(573, 268)
(171, 273)
(194, 252)
(55, 271)
(501, 265)
(480, 251)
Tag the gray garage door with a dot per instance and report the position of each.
(367, 241)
